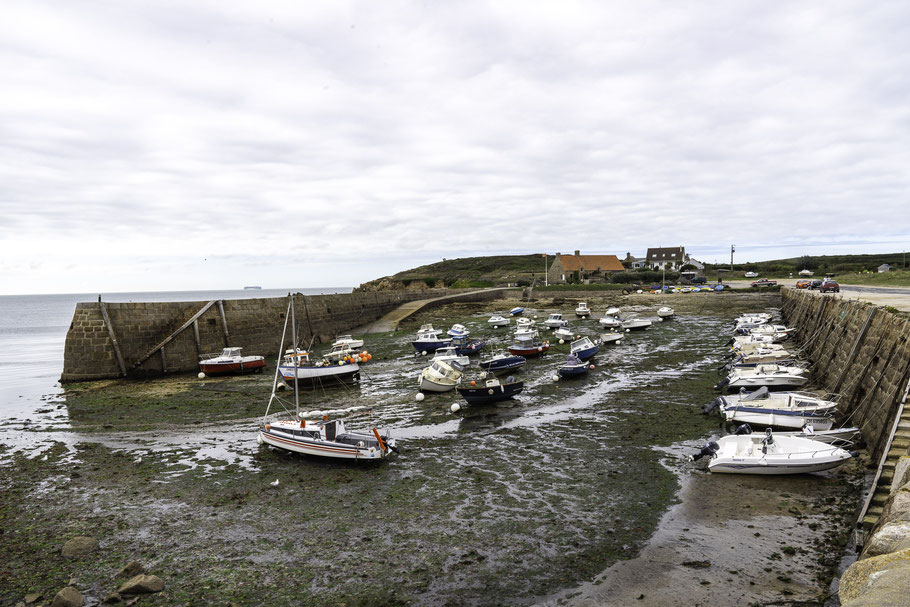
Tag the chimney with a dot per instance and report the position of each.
(577, 252)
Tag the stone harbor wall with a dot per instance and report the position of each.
(860, 352)
(107, 340)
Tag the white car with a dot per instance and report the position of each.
(751, 274)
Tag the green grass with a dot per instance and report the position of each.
(895, 278)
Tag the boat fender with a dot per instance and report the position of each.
(490, 391)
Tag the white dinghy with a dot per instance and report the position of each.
(665, 312)
(772, 454)
(611, 338)
(498, 320)
(440, 377)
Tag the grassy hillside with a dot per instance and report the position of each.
(478, 271)
(820, 264)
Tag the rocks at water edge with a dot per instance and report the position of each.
(142, 584)
(79, 546)
(68, 597)
(131, 569)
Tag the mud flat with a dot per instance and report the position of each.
(574, 493)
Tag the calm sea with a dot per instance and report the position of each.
(33, 330)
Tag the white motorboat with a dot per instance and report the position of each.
(793, 410)
(610, 322)
(339, 351)
(440, 377)
(665, 312)
(582, 311)
(555, 321)
(772, 454)
(745, 340)
(834, 436)
(611, 338)
(524, 322)
(584, 348)
(498, 321)
(297, 364)
(458, 330)
(564, 334)
(757, 319)
(635, 324)
(428, 339)
(450, 354)
(349, 341)
(771, 376)
(612, 311)
(755, 348)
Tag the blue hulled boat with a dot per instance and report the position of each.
(573, 367)
(492, 391)
(516, 311)
(465, 346)
(500, 363)
(584, 348)
(428, 339)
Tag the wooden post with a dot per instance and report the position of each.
(196, 335)
(113, 336)
(227, 336)
(163, 360)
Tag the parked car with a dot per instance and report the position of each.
(815, 284)
(803, 283)
(699, 280)
(764, 282)
(751, 274)
(830, 286)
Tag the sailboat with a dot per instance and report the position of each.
(321, 437)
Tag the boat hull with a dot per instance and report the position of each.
(587, 353)
(319, 448)
(529, 352)
(777, 418)
(773, 466)
(611, 338)
(504, 365)
(255, 365)
(326, 374)
(431, 346)
(490, 394)
(429, 385)
(573, 370)
(472, 347)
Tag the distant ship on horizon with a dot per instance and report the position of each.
(253, 288)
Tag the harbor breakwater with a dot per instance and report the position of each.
(142, 339)
(860, 352)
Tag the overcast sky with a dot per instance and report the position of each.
(214, 144)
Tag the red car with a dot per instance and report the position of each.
(830, 286)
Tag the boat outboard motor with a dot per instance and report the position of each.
(709, 450)
(722, 383)
(718, 403)
(743, 429)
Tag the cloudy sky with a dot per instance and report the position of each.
(214, 144)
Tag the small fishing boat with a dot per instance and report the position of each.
(449, 355)
(525, 345)
(348, 341)
(466, 346)
(297, 364)
(502, 363)
(584, 348)
(773, 454)
(573, 367)
(231, 360)
(665, 312)
(610, 322)
(492, 391)
(582, 310)
(564, 334)
(612, 311)
(428, 340)
(458, 330)
(516, 311)
(498, 321)
(525, 323)
(440, 377)
(555, 321)
(755, 348)
(611, 338)
(768, 375)
(792, 410)
(635, 324)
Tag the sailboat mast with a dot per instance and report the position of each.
(296, 359)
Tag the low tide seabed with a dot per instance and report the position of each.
(551, 498)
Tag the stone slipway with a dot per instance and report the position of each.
(390, 321)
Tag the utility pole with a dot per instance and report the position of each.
(732, 249)
(546, 281)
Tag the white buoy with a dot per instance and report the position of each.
(555, 378)
(627, 330)
(419, 397)
(424, 353)
(562, 341)
(275, 484)
(282, 387)
(455, 408)
(639, 291)
(201, 375)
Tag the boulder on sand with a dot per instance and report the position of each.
(142, 584)
(68, 597)
(79, 546)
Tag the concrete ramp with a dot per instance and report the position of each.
(390, 321)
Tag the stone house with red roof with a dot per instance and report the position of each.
(594, 268)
